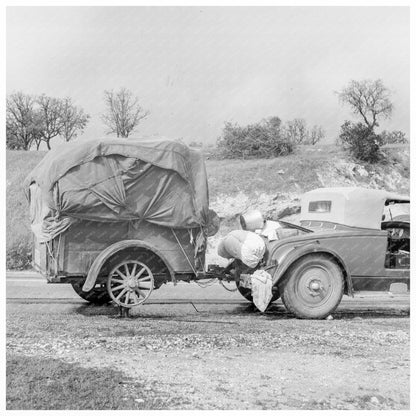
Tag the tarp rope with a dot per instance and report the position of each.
(226, 288)
(183, 251)
(210, 282)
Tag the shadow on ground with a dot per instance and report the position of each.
(184, 311)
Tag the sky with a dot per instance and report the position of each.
(194, 68)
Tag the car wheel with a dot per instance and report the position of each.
(245, 292)
(314, 287)
(130, 283)
(98, 295)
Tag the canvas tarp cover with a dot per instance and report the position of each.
(159, 181)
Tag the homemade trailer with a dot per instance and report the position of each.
(134, 210)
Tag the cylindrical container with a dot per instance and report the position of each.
(252, 220)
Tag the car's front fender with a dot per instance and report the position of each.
(286, 254)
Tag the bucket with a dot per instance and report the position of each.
(251, 221)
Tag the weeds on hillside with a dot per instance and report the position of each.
(19, 254)
(263, 139)
(19, 239)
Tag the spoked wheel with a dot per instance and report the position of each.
(130, 283)
(315, 287)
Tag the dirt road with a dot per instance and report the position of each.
(229, 356)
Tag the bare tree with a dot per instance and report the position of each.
(37, 130)
(123, 112)
(51, 112)
(296, 131)
(22, 123)
(369, 99)
(73, 120)
(33, 120)
(316, 134)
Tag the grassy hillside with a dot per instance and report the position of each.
(18, 237)
(270, 185)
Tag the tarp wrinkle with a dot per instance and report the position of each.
(161, 190)
(160, 181)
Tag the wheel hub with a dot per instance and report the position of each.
(315, 285)
(316, 288)
(132, 283)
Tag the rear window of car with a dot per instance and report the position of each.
(320, 206)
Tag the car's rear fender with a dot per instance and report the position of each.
(101, 259)
(285, 255)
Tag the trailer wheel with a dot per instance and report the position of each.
(98, 295)
(246, 293)
(130, 283)
(314, 287)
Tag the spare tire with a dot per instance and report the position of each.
(245, 292)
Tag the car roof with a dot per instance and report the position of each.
(352, 206)
(356, 193)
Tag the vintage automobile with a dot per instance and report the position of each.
(349, 239)
(118, 218)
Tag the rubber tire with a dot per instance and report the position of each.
(295, 304)
(98, 295)
(246, 293)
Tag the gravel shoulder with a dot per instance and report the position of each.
(229, 356)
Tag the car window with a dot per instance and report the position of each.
(320, 206)
(394, 211)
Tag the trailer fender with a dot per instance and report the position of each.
(287, 255)
(114, 248)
